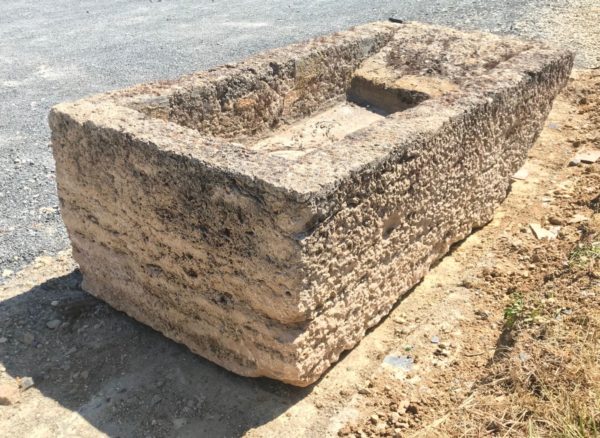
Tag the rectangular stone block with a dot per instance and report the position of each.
(267, 213)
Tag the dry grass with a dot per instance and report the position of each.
(545, 378)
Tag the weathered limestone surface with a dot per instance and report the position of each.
(267, 213)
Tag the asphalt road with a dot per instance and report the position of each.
(57, 50)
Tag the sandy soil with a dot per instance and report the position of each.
(421, 372)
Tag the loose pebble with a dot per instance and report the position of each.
(25, 383)
(53, 324)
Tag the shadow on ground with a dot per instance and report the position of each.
(123, 377)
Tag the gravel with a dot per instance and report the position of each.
(57, 50)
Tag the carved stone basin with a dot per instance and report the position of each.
(267, 213)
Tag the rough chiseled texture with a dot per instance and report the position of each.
(266, 214)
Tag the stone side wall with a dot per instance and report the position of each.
(277, 87)
(189, 251)
(399, 218)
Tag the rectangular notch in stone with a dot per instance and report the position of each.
(379, 84)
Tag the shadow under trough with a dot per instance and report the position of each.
(123, 377)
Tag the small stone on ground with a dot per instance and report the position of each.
(53, 324)
(26, 383)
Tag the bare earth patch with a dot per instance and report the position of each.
(501, 338)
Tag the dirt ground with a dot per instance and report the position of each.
(502, 337)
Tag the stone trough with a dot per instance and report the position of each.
(267, 213)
